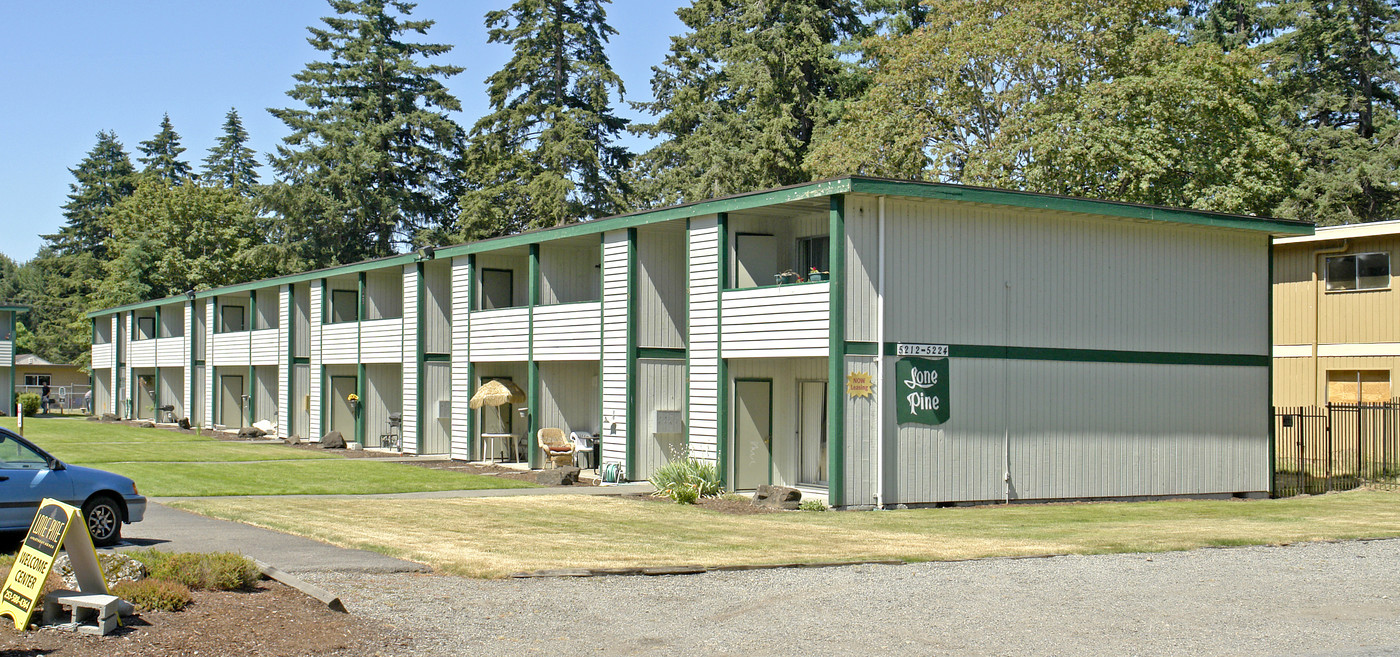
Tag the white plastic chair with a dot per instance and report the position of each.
(583, 443)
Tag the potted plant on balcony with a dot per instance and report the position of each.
(814, 275)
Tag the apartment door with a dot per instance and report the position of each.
(342, 412)
(231, 400)
(811, 432)
(753, 432)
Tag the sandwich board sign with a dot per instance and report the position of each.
(55, 525)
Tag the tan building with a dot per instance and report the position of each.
(67, 383)
(1334, 331)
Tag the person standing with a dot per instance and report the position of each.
(44, 399)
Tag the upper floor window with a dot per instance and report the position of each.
(1361, 271)
(813, 256)
(345, 306)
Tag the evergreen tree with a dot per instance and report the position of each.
(230, 162)
(104, 177)
(1233, 24)
(162, 158)
(369, 161)
(742, 94)
(1341, 73)
(547, 154)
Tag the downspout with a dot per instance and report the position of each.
(1317, 313)
(880, 364)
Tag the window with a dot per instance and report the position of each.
(234, 319)
(18, 456)
(145, 328)
(813, 253)
(1362, 271)
(1353, 387)
(345, 306)
(497, 288)
(37, 380)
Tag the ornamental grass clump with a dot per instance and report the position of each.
(154, 594)
(214, 571)
(686, 480)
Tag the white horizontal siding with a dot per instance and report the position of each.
(172, 352)
(101, 354)
(568, 331)
(461, 358)
(266, 346)
(340, 344)
(500, 335)
(776, 321)
(381, 341)
(614, 348)
(229, 349)
(140, 353)
(702, 413)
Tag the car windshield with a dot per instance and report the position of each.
(15, 455)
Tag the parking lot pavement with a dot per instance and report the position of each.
(173, 530)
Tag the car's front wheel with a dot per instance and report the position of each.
(104, 520)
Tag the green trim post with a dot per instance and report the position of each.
(531, 367)
(632, 433)
(473, 445)
(602, 331)
(250, 389)
(13, 398)
(420, 270)
(722, 433)
(289, 421)
(189, 336)
(836, 360)
(685, 338)
(360, 311)
(252, 313)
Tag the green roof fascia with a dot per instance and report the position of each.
(353, 268)
(727, 204)
(1032, 200)
(15, 309)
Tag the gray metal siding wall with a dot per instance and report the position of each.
(269, 308)
(785, 373)
(862, 266)
(861, 434)
(172, 389)
(172, 320)
(568, 273)
(266, 405)
(201, 323)
(302, 405)
(301, 321)
(785, 229)
(568, 396)
(384, 389)
(201, 391)
(437, 388)
(519, 265)
(661, 293)
(660, 386)
(101, 392)
(384, 293)
(437, 310)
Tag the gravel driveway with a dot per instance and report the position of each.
(1309, 599)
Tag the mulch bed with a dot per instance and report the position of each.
(273, 620)
(744, 507)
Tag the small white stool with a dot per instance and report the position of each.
(91, 613)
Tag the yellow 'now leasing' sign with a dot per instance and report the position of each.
(49, 531)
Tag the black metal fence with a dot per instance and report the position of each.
(1335, 447)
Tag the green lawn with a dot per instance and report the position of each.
(493, 537)
(174, 464)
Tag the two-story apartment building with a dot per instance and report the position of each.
(8, 318)
(885, 342)
(1333, 298)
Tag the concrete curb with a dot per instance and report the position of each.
(331, 600)
(653, 571)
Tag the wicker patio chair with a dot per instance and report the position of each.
(557, 449)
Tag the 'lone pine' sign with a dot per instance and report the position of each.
(923, 391)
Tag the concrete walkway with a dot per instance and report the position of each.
(636, 488)
(172, 530)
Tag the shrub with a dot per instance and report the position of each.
(151, 593)
(30, 403)
(686, 480)
(812, 505)
(214, 571)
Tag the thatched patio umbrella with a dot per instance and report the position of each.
(497, 393)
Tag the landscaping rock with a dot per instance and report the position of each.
(146, 424)
(93, 418)
(354, 446)
(565, 476)
(251, 432)
(109, 417)
(115, 567)
(777, 497)
(333, 440)
(292, 439)
(184, 423)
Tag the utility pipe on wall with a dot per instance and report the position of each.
(880, 364)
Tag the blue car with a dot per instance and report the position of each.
(29, 474)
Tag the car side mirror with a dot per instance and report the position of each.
(55, 464)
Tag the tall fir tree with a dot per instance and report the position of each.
(547, 154)
(104, 177)
(162, 155)
(369, 161)
(230, 162)
(1233, 24)
(1341, 73)
(741, 95)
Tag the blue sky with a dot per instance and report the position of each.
(71, 69)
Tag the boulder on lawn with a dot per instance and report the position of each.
(146, 425)
(333, 440)
(292, 439)
(251, 432)
(109, 417)
(565, 476)
(184, 423)
(777, 497)
(93, 418)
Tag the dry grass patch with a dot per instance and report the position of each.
(493, 537)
